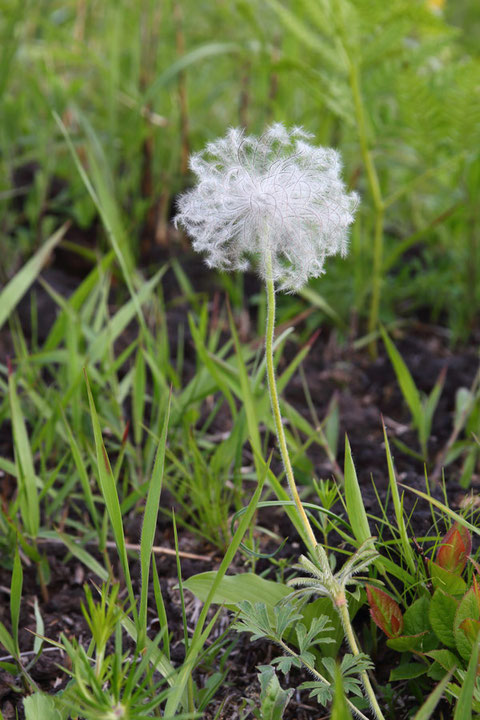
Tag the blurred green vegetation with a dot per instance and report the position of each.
(394, 85)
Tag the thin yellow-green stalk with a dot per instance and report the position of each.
(272, 386)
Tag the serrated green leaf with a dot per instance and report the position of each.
(447, 581)
(407, 671)
(407, 643)
(463, 708)
(445, 658)
(468, 608)
(441, 614)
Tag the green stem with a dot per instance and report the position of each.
(272, 387)
(347, 626)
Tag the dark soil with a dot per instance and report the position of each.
(365, 391)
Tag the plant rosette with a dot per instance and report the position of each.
(437, 633)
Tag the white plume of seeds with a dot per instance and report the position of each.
(275, 192)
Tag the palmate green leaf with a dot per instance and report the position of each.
(254, 619)
(273, 698)
(319, 691)
(286, 662)
(314, 634)
(13, 292)
(39, 707)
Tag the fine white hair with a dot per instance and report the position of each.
(277, 192)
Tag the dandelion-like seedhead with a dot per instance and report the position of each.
(275, 196)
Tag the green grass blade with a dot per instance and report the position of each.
(407, 552)
(431, 405)
(405, 380)
(463, 708)
(340, 709)
(83, 475)
(109, 491)
(187, 60)
(357, 515)
(319, 302)
(7, 641)
(107, 210)
(150, 524)
(425, 712)
(138, 395)
(19, 284)
(16, 597)
(196, 641)
(28, 494)
(444, 508)
(78, 551)
(161, 612)
(122, 318)
(75, 302)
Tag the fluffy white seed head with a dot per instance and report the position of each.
(275, 192)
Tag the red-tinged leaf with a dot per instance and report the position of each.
(125, 433)
(385, 612)
(476, 589)
(454, 549)
(471, 628)
(395, 623)
(475, 564)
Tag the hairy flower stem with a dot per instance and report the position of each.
(341, 607)
(272, 387)
(352, 642)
